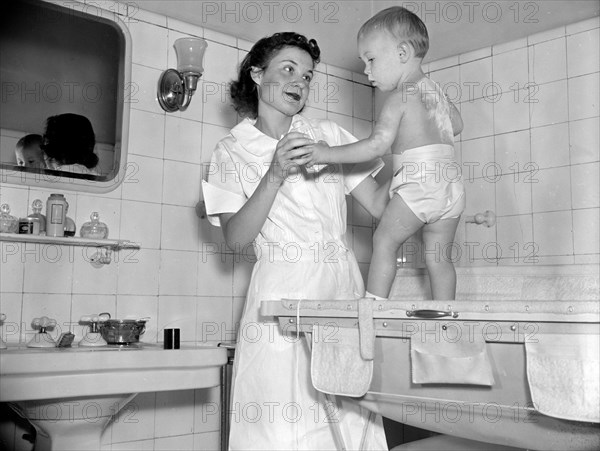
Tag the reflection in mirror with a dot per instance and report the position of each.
(58, 59)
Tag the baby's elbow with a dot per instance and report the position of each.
(378, 146)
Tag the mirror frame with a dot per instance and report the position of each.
(60, 180)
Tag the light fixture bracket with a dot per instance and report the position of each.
(171, 91)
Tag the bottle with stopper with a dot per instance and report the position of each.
(37, 206)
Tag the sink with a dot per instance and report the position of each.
(70, 394)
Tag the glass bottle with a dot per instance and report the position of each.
(313, 134)
(70, 227)
(56, 213)
(8, 223)
(36, 206)
(94, 228)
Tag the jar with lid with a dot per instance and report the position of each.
(8, 223)
(56, 213)
(94, 228)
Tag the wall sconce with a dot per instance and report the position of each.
(176, 87)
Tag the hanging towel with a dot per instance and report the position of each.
(563, 372)
(337, 366)
(438, 360)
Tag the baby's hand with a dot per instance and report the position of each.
(316, 153)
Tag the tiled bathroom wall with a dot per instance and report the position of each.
(183, 276)
(529, 152)
(529, 149)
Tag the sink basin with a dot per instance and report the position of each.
(33, 374)
(54, 388)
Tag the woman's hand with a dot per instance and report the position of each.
(289, 154)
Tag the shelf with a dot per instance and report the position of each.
(113, 245)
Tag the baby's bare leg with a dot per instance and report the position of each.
(437, 238)
(398, 223)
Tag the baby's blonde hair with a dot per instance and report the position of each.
(401, 23)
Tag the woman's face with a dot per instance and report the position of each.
(284, 83)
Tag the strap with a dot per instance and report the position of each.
(366, 328)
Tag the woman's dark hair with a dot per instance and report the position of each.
(244, 91)
(69, 139)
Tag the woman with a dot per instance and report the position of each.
(258, 191)
(68, 144)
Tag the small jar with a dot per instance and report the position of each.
(56, 213)
(8, 223)
(29, 226)
(94, 228)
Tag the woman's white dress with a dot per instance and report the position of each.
(302, 253)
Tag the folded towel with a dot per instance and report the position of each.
(463, 360)
(563, 372)
(337, 366)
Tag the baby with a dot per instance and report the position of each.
(29, 153)
(419, 125)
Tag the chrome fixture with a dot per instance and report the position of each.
(176, 87)
(488, 218)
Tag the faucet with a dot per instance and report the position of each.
(488, 218)
(42, 339)
(93, 337)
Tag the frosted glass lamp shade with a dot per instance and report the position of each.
(190, 53)
(176, 87)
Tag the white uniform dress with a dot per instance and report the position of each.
(302, 253)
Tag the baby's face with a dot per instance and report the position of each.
(380, 52)
(30, 157)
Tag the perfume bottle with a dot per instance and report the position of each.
(8, 223)
(37, 206)
(94, 228)
(70, 227)
(56, 212)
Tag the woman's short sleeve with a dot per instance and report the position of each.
(222, 186)
(354, 174)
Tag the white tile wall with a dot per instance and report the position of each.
(183, 275)
(543, 134)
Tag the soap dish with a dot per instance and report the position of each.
(94, 228)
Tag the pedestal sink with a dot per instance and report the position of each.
(70, 394)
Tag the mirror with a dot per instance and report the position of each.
(58, 59)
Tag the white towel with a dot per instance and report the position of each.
(337, 366)
(563, 372)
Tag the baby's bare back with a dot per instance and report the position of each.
(425, 117)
